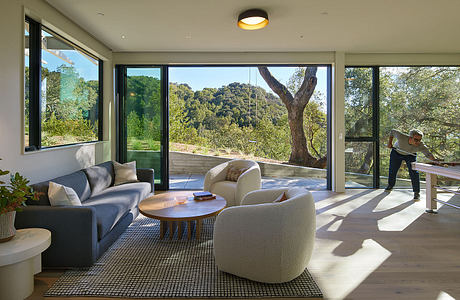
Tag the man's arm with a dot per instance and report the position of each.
(431, 157)
(393, 132)
(427, 153)
(390, 142)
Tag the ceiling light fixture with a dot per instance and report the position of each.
(253, 19)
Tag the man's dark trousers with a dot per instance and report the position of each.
(395, 163)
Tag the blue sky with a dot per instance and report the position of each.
(82, 64)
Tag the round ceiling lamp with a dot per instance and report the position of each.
(253, 19)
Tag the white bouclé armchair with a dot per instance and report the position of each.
(233, 191)
(265, 241)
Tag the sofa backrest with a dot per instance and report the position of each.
(76, 180)
(100, 176)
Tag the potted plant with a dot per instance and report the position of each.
(13, 195)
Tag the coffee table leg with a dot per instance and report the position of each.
(172, 228)
(189, 229)
(180, 229)
(198, 228)
(163, 228)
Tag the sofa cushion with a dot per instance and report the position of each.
(225, 189)
(114, 202)
(76, 180)
(125, 173)
(62, 195)
(281, 198)
(100, 176)
(233, 173)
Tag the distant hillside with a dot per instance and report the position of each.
(237, 103)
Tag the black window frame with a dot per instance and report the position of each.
(120, 80)
(374, 138)
(35, 49)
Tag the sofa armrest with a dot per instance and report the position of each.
(249, 181)
(73, 233)
(147, 175)
(214, 175)
(247, 236)
(262, 196)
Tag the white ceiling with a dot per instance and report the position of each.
(379, 26)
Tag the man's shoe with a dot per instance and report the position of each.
(416, 196)
(388, 189)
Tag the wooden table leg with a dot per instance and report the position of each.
(431, 194)
(189, 229)
(180, 229)
(163, 228)
(172, 228)
(198, 228)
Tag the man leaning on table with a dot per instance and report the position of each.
(405, 149)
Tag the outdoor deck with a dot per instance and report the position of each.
(195, 182)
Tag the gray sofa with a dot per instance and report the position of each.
(81, 234)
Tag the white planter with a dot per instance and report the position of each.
(7, 230)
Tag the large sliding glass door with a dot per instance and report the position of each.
(379, 99)
(142, 119)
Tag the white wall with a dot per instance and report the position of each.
(42, 165)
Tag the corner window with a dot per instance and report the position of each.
(62, 91)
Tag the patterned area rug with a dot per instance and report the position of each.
(140, 265)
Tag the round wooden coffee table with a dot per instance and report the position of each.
(173, 209)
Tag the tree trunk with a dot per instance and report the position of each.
(299, 150)
(295, 106)
(367, 161)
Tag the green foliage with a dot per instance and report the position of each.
(14, 193)
(134, 125)
(315, 127)
(427, 98)
(238, 117)
(60, 131)
(70, 107)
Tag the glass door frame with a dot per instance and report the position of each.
(120, 119)
(374, 139)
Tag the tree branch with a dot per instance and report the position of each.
(276, 86)
(307, 88)
(313, 147)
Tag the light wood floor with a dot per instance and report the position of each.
(373, 245)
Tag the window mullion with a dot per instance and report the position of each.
(35, 85)
(376, 123)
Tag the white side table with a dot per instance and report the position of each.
(20, 260)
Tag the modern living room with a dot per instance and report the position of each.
(368, 242)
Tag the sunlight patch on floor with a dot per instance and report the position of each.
(344, 202)
(444, 296)
(335, 226)
(398, 220)
(349, 271)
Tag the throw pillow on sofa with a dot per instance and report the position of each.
(280, 198)
(125, 173)
(59, 194)
(233, 173)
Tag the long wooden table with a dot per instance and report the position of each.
(175, 208)
(431, 182)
